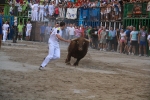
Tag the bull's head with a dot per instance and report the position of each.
(80, 42)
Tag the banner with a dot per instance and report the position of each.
(71, 13)
(148, 6)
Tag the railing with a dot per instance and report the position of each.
(135, 10)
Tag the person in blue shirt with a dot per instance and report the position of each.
(0, 31)
(42, 32)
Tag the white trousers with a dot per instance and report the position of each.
(32, 15)
(4, 35)
(54, 53)
(35, 15)
(41, 14)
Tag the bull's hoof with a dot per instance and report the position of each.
(68, 63)
(75, 64)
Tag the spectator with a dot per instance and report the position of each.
(48, 31)
(112, 38)
(122, 40)
(94, 34)
(142, 41)
(5, 31)
(56, 12)
(71, 32)
(77, 32)
(42, 32)
(0, 31)
(28, 30)
(51, 9)
(41, 12)
(103, 40)
(148, 40)
(20, 31)
(133, 41)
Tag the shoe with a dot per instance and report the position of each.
(104, 49)
(145, 55)
(129, 53)
(41, 68)
(101, 49)
(139, 55)
(132, 53)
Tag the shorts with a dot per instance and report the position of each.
(28, 32)
(122, 41)
(103, 41)
(128, 43)
(116, 12)
(20, 33)
(134, 43)
(112, 41)
(143, 43)
(107, 40)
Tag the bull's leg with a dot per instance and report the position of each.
(68, 59)
(77, 61)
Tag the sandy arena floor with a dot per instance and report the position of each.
(99, 76)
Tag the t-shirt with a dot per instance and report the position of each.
(20, 28)
(41, 8)
(71, 30)
(148, 38)
(29, 26)
(128, 34)
(42, 29)
(143, 35)
(53, 38)
(103, 34)
(122, 35)
(134, 35)
(35, 7)
(5, 27)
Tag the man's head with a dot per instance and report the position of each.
(62, 25)
(111, 28)
(57, 24)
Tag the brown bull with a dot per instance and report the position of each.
(77, 49)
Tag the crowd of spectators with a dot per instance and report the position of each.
(130, 41)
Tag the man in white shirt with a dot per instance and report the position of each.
(5, 31)
(28, 30)
(35, 12)
(71, 32)
(41, 12)
(54, 49)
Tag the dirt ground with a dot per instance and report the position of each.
(99, 76)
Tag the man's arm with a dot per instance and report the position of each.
(62, 39)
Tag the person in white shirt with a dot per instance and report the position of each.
(148, 40)
(41, 12)
(32, 11)
(54, 49)
(71, 32)
(35, 12)
(28, 30)
(5, 31)
(51, 9)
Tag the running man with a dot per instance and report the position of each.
(54, 49)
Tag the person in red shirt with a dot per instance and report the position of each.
(56, 12)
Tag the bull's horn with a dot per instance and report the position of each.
(86, 40)
(74, 39)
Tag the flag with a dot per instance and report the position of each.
(71, 13)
